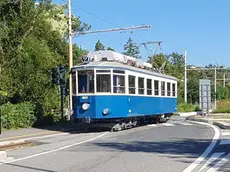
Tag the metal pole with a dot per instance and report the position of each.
(112, 30)
(62, 102)
(70, 55)
(207, 92)
(0, 119)
(224, 80)
(215, 89)
(185, 77)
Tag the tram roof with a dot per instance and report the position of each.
(117, 65)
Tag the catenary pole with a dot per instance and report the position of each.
(185, 76)
(215, 88)
(70, 55)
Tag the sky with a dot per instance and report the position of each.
(201, 27)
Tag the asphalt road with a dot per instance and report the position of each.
(170, 147)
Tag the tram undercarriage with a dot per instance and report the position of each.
(124, 123)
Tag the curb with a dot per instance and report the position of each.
(189, 114)
(222, 125)
(3, 155)
(12, 142)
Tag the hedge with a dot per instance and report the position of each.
(187, 107)
(21, 115)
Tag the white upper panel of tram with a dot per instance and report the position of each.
(111, 59)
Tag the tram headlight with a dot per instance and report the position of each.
(85, 106)
(106, 111)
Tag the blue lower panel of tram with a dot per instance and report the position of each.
(104, 107)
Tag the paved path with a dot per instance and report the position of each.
(11, 135)
(173, 146)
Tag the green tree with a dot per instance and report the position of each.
(111, 49)
(99, 46)
(30, 46)
(173, 65)
(158, 60)
(131, 49)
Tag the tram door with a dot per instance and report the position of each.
(131, 90)
(119, 84)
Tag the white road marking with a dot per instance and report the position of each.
(225, 142)
(225, 133)
(220, 163)
(168, 124)
(185, 123)
(207, 151)
(54, 150)
(214, 157)
(152, 125)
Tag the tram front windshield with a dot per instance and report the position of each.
(86, 81)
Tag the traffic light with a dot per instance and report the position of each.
(62, 75)
(65, 91)
(55, 76)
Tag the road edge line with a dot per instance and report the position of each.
(208, 150)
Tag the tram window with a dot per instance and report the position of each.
(141, 86)
(168, 89)
(132, 84)
(86, 81)
(103, 83)
(74, 83)
(118, 71)
(118, 84)
(173, 90)
(156, 87)
(149, 87)
(162, 88)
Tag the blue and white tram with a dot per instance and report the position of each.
(108, 88)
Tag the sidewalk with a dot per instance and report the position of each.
(220, 120)
(12, 137)
(20, 135)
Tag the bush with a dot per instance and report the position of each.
(19, 115)
(48, 108)
(223, 106)
(222, 110)
(187, 107)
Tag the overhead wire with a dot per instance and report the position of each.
(92, 14)
(114, 24)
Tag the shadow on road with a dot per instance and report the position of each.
(189, 147)
(183, 150)
(27, 167)
(72, 127)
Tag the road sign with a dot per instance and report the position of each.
(205, 95)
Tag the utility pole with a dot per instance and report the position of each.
(224, 80)
(185, 76)
(215, 88)
(70, 56)
(0, 119)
